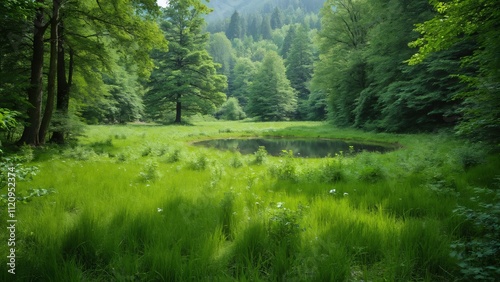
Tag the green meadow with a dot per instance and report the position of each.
(140, 203)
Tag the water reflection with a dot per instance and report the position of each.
(312, 148)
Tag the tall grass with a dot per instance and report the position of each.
(146, 206)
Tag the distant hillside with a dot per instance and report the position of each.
(224, 8)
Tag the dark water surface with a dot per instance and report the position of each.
(312, 148)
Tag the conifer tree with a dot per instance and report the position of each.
(235, 28)
(276, 19)
(266, 29)
(271, 96)
(186, 79)
(287, 43)
(299, 69)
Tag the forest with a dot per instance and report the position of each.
(102, 104)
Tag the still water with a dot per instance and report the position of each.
(312, 148)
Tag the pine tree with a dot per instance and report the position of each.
(276, 19)
(287, 43)
(253, 28)
(186, 79)
(265, 28)
(235, 28)
(272, 97)
(299, 69)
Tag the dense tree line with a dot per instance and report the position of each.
(364, 72)
(360, 67)
(85, 52)
(385, 65)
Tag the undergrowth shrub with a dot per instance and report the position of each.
(332, 171)
(146, 151)
(236, 161)
(260, 155)
(369, 168)
(284, 229)
(80, 153)
(371, 173)
(16, 164)
(286, 169)
(120, 136)
(26, 153)
(121, 157)
(470, 155)
(478, 251)
(200, 163)
(216, 173)
(28, 196)
(149, 172)
(174, 156)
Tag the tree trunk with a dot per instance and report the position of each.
(51, 84)
(63, 86)
(35, 90)
(178, 111)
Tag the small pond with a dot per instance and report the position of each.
(312, 148)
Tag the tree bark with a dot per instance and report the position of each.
(63, 85)
(51, 84)
(35, 90)
(178, 111)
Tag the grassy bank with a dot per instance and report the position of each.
(138, 203)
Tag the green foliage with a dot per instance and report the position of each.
(243, 74)
(299, 65)
(221, 50)
(341, 70)
(149, 172)
(332, 171)
(31, 193)
(284, 228)
(80, 153)
(15, 47)
(265, 28)
(477, 254)
(235, 28)
(7, 119)
(236, 160)
(260, 155)
(70, 124)
(276, 18)
(174, 156)
(231, 110)
(186, 79)
(288, 40)
(468, 21)
(22, 171)
(286, 169)
(317, 105)
(199, 163)
(272, 97)
(363, 75)
(470, 155)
